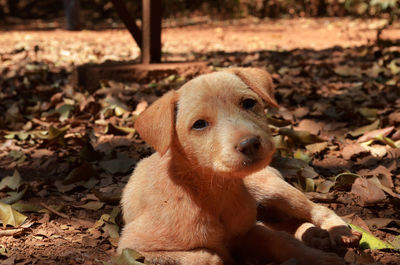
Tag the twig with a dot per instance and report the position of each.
(10, 232)
(43, 123)
(54, 211)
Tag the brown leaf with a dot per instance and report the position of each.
(368, 192)
(92, 205)
(372, 134)
(378, 223)
(352, 150)
(81, 173)
(140, 107)
(317, 147)
(384, 175)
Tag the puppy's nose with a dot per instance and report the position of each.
(249, 146)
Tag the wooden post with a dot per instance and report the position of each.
(128, 20)
(151, 31)
(72, 14)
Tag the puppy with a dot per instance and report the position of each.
(194, 201)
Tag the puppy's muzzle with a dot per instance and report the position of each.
(249, 147)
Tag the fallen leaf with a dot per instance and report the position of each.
(384, 175)
(378, 223)
(369, 241)
(345, 179)
(278, 122)
(129, 257)
(22, 206)
(118, 130)
(351, 151)
(302, 137)
(121, 164)
(140, 107)
(9, 216)
(389, 191)
(93, 205)
(306, 184)
(369, 113)
(14, 196)
(325, 186)
(368, 191)
(13, 182)
(302, 156)
(57, 134)
(354, 256)
(317, 147)
(372, 134)
(395, 242)
(290, 167)
(83, 172)
(348, 71)
(376, 150)
(365, 129)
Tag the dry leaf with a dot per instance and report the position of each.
(9, 216)
(368, 192)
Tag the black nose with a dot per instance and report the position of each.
(249, 146)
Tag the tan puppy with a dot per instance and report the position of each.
(194, 201)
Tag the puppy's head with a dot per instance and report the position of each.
(216, 121)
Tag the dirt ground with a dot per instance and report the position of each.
(74, 149)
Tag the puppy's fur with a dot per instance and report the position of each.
(194, 201)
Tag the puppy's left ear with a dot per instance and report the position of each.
(259, 81)
(156, 124)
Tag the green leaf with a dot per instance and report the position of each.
(64, 111)
(277, 122)
(9, 216)
(15, 154)
(306, 184)
(303, 137)
(118, 130)
(13, 182)
(57, 134)
(22, 206)
(396, 242)
(369, 241)
(302, 156)
(15, 196)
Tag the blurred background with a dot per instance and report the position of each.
(100, 13)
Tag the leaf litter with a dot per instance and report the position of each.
(67, 153)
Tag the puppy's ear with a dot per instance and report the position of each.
(156, 124)
(259, 81)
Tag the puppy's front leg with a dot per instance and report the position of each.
(266, 244)
(271, 191)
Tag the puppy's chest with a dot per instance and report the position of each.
(237, 214)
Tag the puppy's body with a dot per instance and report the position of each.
(195, 200)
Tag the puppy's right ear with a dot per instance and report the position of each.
(156, 125)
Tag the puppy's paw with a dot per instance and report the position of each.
(313, 236)
(343, 236)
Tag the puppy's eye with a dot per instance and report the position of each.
(248, 103)
(200, 125)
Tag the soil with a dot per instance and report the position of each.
(331, 78)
